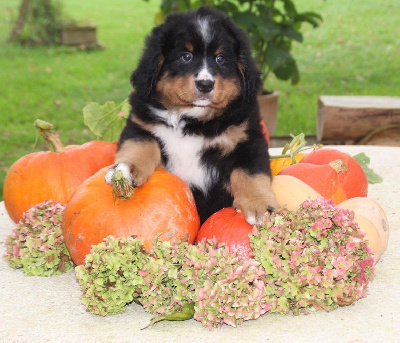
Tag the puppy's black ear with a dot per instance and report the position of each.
(251, 80)
(144, 78)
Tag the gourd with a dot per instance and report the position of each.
(228, 226)
(278, 164)
(290, 192)
(52, 175)
(163, 208)
(371, 219)
(350, 174)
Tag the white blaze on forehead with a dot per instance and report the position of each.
(205, 29)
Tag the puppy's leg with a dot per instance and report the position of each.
(137, 156)
(252, 194)
(137, 160)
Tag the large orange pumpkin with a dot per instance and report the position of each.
(163, 208)
(53, 175)
(229, 227)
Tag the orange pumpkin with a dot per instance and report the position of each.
(164, 207)
(351, 176)
(322, 178)
(229, 227)
(53, 175)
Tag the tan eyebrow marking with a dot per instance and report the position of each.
(219, 50)
(189, 46)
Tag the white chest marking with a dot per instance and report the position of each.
(184, 152)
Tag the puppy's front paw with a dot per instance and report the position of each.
(255, 207)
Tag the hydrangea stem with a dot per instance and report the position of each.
(51, 137)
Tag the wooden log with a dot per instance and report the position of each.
(78, 35)
(353, 117)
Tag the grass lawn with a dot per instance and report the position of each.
(354, 52)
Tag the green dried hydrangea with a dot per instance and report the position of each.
(36, 245)
(314, 258)
(164, 289)
(110, 275)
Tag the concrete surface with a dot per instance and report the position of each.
(34, 309)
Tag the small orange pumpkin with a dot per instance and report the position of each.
(229, 227)
(264, 130)
(278, 164)
(52, 175)
(163, 208)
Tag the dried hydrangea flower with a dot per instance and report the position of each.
(37, 245)
(314, 258)
(164, 290)
(110, 275)
(229, 288)
(224, 286)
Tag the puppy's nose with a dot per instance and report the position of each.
(205, 86)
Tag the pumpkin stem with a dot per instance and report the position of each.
(339, 165)
(296, 146)
(51, 137)
(122, 188)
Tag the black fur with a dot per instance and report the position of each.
(163, 49)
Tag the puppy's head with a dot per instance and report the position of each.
(197, 59)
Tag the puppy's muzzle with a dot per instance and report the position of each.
(205, 86)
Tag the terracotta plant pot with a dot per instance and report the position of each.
(269, 110)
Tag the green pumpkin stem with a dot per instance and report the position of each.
(122, 189)
(51, 137)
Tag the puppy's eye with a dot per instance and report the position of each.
(220, 59)
(187, 57)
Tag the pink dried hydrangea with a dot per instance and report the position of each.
(228, 287)
(225, 287)
(37, 245)
(314, 258)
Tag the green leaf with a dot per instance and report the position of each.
(269, 30)
(290, 8)
(106, 121)
(312, 18)
(292, 34)
(363, 160)
(92, 117)
(186, 313)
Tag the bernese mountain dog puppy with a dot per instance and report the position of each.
(195, 112)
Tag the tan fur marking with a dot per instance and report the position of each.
(225, 90)
(189, 46)
(176, 91)
(252, 194)
(219, 50)
(142, 157)
(230, 138)
(142, 124)
(241, 68)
